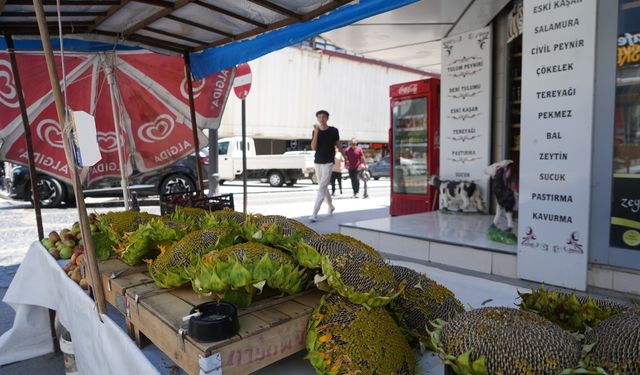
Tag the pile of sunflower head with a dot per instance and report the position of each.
(238, 272)
(501, 340)
(171, 268)
(617, 343)
(355, 273)
(347, 338)
(230, 256)
(422, 301)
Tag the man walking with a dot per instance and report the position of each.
(355, 163)
(324, 141)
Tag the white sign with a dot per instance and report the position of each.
(465, 111)
(86, 139)
(556, 127)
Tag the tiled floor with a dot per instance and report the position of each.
(453, 229)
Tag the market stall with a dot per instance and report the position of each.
(180, 28)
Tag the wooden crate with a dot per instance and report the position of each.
(271, 328)
(117, 277)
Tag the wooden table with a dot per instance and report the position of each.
(271, 328)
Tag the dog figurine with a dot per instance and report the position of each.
(506, 197)
(467, 192)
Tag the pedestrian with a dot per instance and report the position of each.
(324, 141)
(355, 163)
(336, 174)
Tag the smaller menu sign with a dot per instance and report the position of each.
(465, 111)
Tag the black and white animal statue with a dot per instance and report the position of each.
(466, 193)
(506, 197)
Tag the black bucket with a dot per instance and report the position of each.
(217, 321)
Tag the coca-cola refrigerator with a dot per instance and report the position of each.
(414, 145)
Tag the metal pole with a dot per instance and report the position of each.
(213, 162)
(27, 134)
(244, 157)
(194, 124)
(32, 167)
(116, 124)
(94, 275)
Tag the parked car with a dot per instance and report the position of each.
(177, 177)
(380, 168)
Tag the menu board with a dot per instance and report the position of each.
(556, 136)
(465, 111)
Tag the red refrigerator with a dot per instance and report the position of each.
(414, 145)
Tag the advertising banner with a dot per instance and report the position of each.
(625, 211)
(465, 110)
(556, 137)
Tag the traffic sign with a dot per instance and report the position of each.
(242, 83)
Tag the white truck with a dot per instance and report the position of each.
(277, 170)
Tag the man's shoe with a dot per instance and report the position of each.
(331, 209)
(355, 195)
(313, 218)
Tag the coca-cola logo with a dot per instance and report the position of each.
(408, 89)
(8, 92)
(48, 130)
(157, 130)
(197, 88)
(107, 141)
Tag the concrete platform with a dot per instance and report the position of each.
(448, 239)
(460, 241)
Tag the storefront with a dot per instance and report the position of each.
(566, 78)
(559, 94)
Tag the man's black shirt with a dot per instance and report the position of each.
(325, 149)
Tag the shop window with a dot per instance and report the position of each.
(625, 209)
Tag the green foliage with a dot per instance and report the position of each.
(502, 236)
(570, 312)
(145, 242)
(102, 245)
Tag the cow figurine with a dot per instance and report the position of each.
(506, 197)
(464, 192)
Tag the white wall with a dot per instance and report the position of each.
(290, 85)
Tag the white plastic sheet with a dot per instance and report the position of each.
(40, 284)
